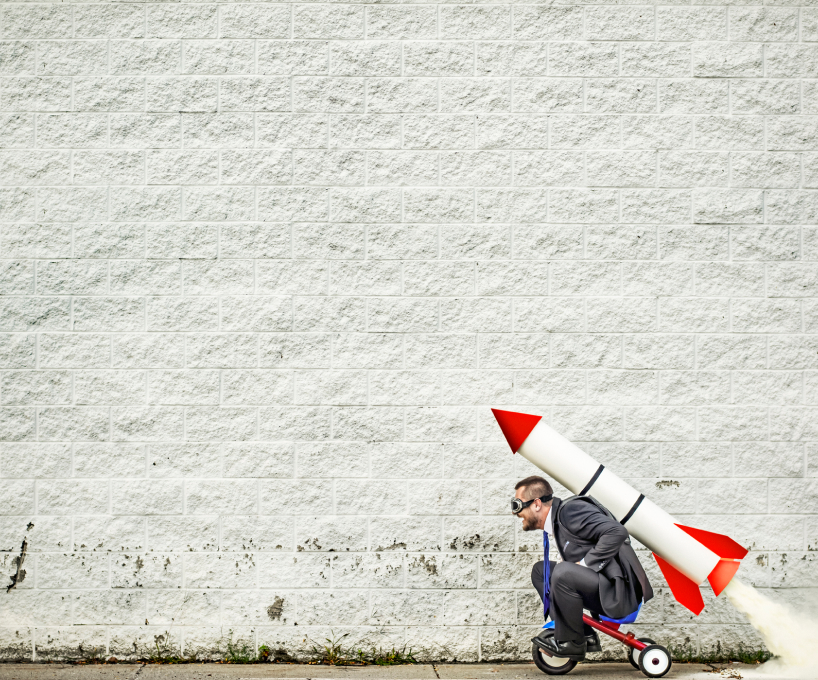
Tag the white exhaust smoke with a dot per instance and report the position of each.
(789, 635)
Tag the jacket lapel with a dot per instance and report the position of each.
(555, 525)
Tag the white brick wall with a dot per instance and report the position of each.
(264, 267)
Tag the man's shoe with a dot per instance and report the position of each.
(543, 634)
(566, 650)
(592, 643)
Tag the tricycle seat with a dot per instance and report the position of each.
(630, 618)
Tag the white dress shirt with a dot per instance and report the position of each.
(549, 527)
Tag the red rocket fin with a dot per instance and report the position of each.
(722, 545)
(685, 591)
(515, 426)
(722, 574)
(726, 548)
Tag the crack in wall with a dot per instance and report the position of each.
(20, 575)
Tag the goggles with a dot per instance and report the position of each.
(517, 506)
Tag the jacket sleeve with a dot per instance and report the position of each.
(591, 524)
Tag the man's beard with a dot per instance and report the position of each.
(528, 525)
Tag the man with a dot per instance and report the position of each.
(599, 572)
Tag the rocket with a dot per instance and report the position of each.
(686, 556)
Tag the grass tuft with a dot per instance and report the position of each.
(163, 651)
(333, 653)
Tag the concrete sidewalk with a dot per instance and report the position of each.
(483, 671)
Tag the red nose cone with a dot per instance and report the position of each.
(515, 426)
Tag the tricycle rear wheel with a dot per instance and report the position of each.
(654, 661)
(633, 653)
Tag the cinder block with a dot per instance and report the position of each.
(304, 570)
(18, 130)
(469, 22)
(186, 608)
(251, 21)
(128, 351)
(247, 532)
(655, 59)
(533, 22)
(184, 460)
(37, 21)
(462, 95)
(109, 534)
(733, 423)
(145, 277)
(145, 57)
(619, 23)
(381, 570)
(70, 642)
(765, 97)
(110, 387)
(72, 570)
(662, 132)
(109, 21)
(543, 95)
(621, 96)
(585, 59)
(329, 95)
(109, 314)
(771, 24)
(344, 23)
(305, 350)
(693, 96)
(296, 57)
(211, 570)
(727, 60)
(401, 23)
(770, 316)
(687, 23)
(73, 423)
(217, 130)
(181, 21)
(656, 423)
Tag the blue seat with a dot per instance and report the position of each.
(630, 618)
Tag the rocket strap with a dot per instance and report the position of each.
(633, 509)
(588, 486)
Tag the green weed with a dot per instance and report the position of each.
(392, 658)
(240, 652)
(332, 652)
(163, 651)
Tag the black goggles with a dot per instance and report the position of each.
(517, 506)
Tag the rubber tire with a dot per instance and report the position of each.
(634, 652)
(567, 667)
(649, 651)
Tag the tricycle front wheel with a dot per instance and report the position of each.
(551, 665)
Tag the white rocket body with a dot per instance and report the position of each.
(686, 556)
(649, 524)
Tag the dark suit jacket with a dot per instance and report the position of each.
(583, 529)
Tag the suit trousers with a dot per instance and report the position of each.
(573, 588)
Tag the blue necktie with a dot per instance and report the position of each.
(546, 576)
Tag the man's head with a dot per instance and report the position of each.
(533, 489)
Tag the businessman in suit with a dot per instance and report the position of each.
(599, 572)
